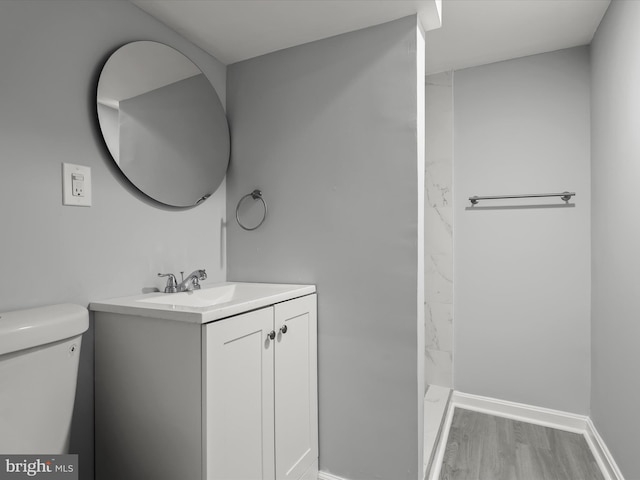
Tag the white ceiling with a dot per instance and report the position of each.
(477, 32)
(473, 32)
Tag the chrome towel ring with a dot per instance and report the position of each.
(256, 195)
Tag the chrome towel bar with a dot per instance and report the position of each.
(566, 196)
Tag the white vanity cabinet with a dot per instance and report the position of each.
(261, 414)
(232, 399)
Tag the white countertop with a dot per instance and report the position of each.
(210, 303)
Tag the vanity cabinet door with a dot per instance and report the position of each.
(238, 404)
(296, 388)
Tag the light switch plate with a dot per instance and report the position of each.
(76, 185)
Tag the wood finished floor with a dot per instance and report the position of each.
(486, 447)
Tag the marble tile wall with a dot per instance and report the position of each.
(439, 230)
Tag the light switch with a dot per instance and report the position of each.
(76, 185)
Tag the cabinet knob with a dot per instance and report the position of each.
(271, 335)
(283, 329)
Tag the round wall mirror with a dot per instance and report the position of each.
(163, 123)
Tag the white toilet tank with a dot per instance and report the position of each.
(39, 352)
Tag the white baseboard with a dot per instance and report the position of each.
(519, 411)
(327, 476)
(545, 417)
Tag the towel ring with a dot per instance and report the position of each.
(256, 195)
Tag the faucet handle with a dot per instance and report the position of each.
(172, 284)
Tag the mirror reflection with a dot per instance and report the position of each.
(163, 123)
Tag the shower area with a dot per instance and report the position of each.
(438, 254)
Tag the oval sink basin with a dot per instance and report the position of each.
(205, 297)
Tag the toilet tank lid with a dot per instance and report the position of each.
(22, 329)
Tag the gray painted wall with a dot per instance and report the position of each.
(328, 131)
(51, 53)
(615, 393)
(522, 289)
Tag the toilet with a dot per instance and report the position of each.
(39, 353)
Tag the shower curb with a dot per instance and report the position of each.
(328, 476)
(601, 452)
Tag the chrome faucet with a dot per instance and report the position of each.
(192, 282)
(172, 283)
